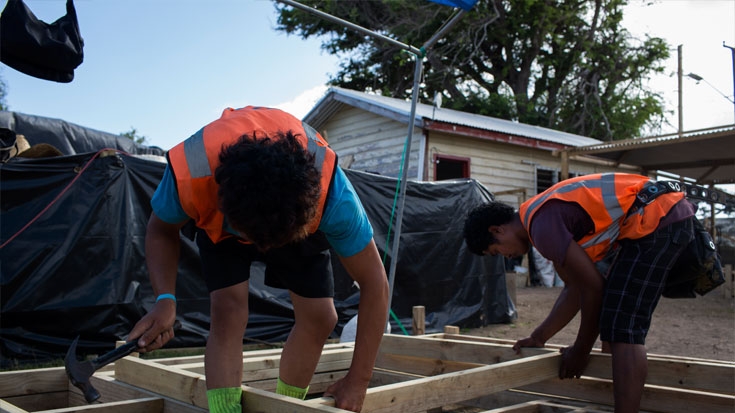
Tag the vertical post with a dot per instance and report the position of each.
(679, 75)
(564, 165)
(419, 320)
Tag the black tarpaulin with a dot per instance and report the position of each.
(434, 267)
(73, 264)
(68, 137)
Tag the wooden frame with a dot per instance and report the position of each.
(413, 374)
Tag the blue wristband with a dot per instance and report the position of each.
(165, 296)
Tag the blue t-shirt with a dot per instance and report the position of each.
(344, 221)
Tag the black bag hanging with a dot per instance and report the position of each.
(42, 50)
(698, 270)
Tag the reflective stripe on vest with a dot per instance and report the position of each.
(199, 167)
(195, 160)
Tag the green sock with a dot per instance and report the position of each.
(225, 400)
(291, 391)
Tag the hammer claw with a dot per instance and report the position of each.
(79, 373)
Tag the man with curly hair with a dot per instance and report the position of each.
(262, 186)
(614, 255)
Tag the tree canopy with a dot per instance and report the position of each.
(564, 64)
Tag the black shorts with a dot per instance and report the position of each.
(636, 280)
(304, 268)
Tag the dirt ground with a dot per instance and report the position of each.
(701, 327)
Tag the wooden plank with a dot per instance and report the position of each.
(266, 367)
(423, 366)
(655, 398)
(146, 405)
(454, 350)
(692, 374)
(112, 390)
(40, 401)
(546, 406)
(381, 377)
(556, 347)
(171, 361)
(190, 388)
(168, 381)
(6, 407)
(528, 407)
(37, 381)
(261, 401)
(431, 392)
(319, 382)
(682, 374)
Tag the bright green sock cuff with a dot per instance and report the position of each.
(225, 400)
(291, 391)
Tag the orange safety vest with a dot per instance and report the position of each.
(194, 161)
(607, 198)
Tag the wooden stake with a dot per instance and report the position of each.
(419, 320)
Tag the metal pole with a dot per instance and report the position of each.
(404, 175)
(732, 52)
(353, 26)
(419, 53)
(403, 179)
(679, 77)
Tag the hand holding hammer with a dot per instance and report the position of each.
(79, 373)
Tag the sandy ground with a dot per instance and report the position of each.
(702, 327)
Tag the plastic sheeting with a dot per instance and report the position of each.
(72, 237)
(68, 137)
(434, 268)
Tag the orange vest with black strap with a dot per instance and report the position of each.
(194, 161)
(607, 198)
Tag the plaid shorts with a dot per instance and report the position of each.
(636, 279)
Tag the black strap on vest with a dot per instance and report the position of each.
(655, 188)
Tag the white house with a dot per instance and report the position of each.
(514, 161)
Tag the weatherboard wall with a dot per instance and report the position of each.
(367, 142)
(501, 167)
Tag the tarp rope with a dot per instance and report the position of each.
(60, 194)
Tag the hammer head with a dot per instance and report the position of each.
(80, 372)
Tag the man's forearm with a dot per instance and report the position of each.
(372, 316)
(591, 300)
(162, 247)
(564, 310)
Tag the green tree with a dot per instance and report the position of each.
(562, 64)
(132, 134)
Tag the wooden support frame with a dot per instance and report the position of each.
(412, 374)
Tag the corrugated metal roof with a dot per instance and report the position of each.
(705, 155)
(401, 109)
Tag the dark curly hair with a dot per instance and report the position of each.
(268, 188)
(479, 219)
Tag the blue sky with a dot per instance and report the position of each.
(168, 67)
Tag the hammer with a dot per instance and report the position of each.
(80, 372)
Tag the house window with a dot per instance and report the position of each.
(545, 178)
(450, 167)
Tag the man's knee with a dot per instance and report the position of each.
(321, 319)
(229, 308)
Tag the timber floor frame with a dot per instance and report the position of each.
(430, 373)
